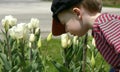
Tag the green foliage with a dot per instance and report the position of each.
(25, 54)
(18, 57)
(18, 54)
(73, 58)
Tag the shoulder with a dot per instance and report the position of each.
(106, 23)
(106, 17)
(115, 16)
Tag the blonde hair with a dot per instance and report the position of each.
(92, 5)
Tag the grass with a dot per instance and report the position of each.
(111, 3)
(113, 6)
(54, 50)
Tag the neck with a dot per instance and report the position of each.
(89, 19)
(92, 19)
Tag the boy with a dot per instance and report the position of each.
(78, 16)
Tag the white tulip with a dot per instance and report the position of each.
(75, 40)
(49, 37)
(13, 22)
(37, 31)
(9, 20)
(34, 23)
(64, 36)
(64, 43)
(69, 43)
(12, 32)
(5, 24)
(20, 31)
(64, 40)
(30, 26)
(30, 44)
(93, 42)
(32, 38)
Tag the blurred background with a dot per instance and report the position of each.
(24, 10)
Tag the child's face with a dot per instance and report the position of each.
(73, 23)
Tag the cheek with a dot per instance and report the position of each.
(73, 27)
(76, 27)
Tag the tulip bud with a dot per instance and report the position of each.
(37, 31)
(75, 41)
(93, 42)
(64, 43)
(5, 24)
(39, 44)
(92, 60)
(64, 40)
(32, 38)
(49, 37)
(69, 42)
(88, 46)
(30, 44)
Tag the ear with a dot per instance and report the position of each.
(77, 11)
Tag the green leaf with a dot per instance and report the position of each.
(7, 64)
(28, 68)
(69, 55)
(1, 67)
(60, 67)
(77, 69)
(34, 66)
(14, 69)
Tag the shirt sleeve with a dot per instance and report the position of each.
(116, 16)
(111, 32)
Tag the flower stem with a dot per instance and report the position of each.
(8, 45)
(31, 52)
(45, 56)
(84, 53)
(65, 58)
(23, 49)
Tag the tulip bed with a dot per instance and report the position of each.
(55, 50)
(22, 50)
